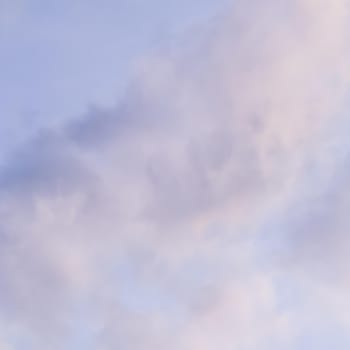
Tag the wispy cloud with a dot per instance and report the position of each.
(206, 210)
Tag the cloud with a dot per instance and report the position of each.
(145, 225)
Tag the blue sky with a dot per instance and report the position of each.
(174, 175)
(59, 58)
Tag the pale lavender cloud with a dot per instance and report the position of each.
(202, 210)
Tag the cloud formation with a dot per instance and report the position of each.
(206, 210)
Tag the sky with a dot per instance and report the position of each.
(174, 174)
(61, 57)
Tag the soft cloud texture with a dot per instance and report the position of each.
(207, 210)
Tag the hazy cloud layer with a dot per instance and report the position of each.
(207, 210)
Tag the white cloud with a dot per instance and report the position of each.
(150, 218)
